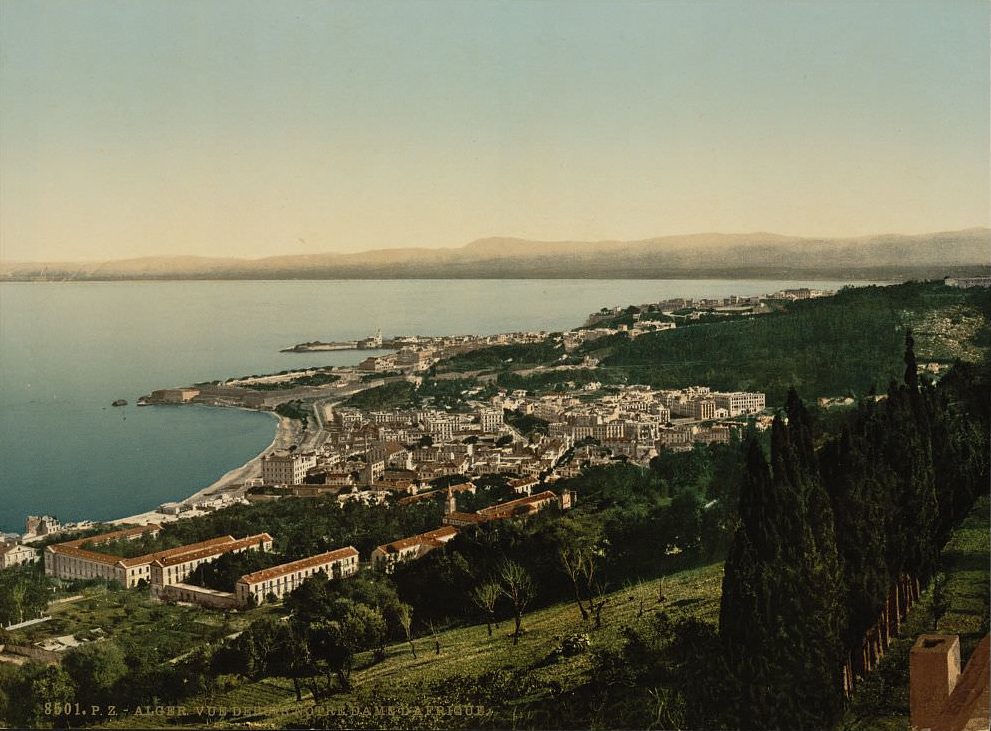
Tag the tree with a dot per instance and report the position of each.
(779, 610)
(911, 366)
(290, 658)
(486, 596)
(940, 599)
(95, 670)
(348, 629)
(517, 586)
(405, 619)
(53, 687)
(17, 593)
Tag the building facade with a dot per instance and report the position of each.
(280, 580)
(740, 402)
(175, 565)
(287, 468)
(386, 557)
(15, 554)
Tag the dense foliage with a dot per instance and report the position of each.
(848, 343)
(24, 593)
(499, 356)
(824, 536)
(387, 396)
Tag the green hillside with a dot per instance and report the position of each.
(849, 343)
(471, 669)
(832, 346)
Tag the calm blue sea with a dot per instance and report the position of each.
(68, 349)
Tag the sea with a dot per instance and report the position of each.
(68, 349)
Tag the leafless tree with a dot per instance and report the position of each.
(404, 614)
(485, 597)
(516, 585)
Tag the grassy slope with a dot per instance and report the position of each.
(881, 702)
(466, 652)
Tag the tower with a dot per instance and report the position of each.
(451, 505)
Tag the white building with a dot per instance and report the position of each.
(490, 419)
(740, 402)
(287, 468)
(281, 580)
(15, 554)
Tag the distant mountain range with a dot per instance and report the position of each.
(756, 255)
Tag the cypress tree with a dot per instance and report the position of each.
(779, 618)
(911, 367)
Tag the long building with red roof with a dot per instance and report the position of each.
(388, 555)
(280, 580)
(175, 565)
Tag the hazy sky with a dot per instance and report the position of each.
(230, 127)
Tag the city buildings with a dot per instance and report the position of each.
(175, 565)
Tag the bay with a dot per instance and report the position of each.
(68, 349)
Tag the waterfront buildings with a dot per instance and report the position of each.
(174, 395)
(41, 525)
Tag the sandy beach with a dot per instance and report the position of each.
(287, 433)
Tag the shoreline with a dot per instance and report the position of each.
(231, 483)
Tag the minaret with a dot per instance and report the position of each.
(452, 502)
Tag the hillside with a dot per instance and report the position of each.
(525, 685)
(755, 255)
(513, 680)
(833, 346)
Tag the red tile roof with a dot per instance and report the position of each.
(177, 551)
(434, 537)
(182, 555)
(300, 565)
(510, 506)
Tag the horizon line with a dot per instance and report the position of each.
(858, 237)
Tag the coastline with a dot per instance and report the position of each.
(231, 483)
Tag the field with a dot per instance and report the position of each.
(465, 653)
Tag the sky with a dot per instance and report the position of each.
(252, 128)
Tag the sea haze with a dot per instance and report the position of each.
(67, 350)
